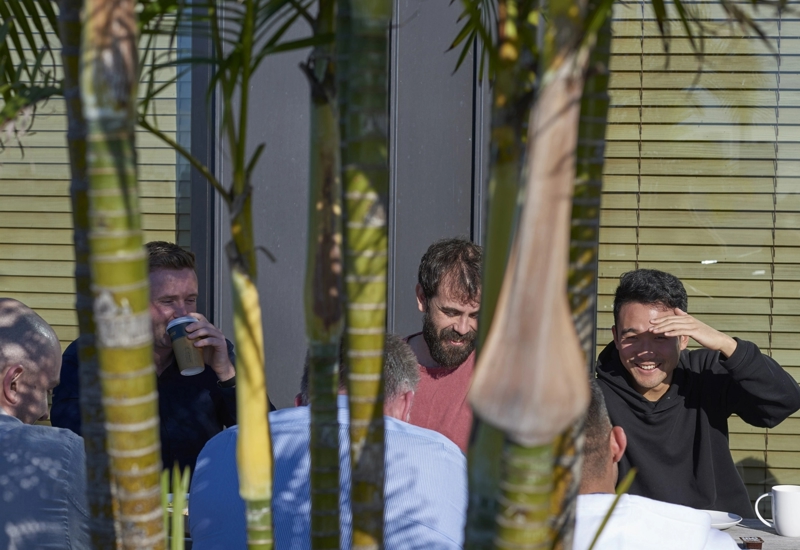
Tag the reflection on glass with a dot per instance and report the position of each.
(702, 180)
(183, 179)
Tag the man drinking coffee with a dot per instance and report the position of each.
(192, 409)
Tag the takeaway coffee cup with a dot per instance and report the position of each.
(785, 510)
(190, 358)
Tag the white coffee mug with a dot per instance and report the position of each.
(785, 510)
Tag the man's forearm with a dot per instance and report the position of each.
(727, 345)
(770, 393)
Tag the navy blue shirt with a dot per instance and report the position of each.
(192, 409)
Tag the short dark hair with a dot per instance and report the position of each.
(597, 430)
(649, 286)
(456, 261)
(164, 255)
(400, 370)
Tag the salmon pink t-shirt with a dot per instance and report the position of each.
(440, 402)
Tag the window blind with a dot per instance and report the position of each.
(702, 180)
(36, 251)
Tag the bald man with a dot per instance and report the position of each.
(42, 469)
(637, 522)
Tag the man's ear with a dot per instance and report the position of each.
(614, 334)
(422, 303)
(618, 442)
(400, 406)
(298, 400)
(684, 340)
(11, 384)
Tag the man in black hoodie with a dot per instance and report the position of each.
(674, 404)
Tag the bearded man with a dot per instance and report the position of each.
(448, 294)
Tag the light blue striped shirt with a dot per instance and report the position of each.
(425, 489)
(42, 488)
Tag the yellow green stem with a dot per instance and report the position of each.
(119, 271)
(253, 446)
(98, 474)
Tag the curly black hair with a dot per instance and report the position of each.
(649, 286)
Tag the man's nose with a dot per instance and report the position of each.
(179, 310)
(462, 325)
(644, 349)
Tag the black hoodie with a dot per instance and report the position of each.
(679, 444)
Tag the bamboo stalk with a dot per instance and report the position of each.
(364, 77)
(119, 270)
(523, 521)
(551, 398)
(582, 278)
(585, 230)
(533, 404)
(253, 446)
(98, 474)
(485, 471)
(567, 462)
(528, 403)
(512, 96)
(514, 80)
(324, 286)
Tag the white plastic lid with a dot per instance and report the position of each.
(181, 320)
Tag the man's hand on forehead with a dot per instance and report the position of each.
(678, 323)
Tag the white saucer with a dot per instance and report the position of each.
(722, 520)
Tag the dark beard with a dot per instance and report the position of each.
(441, 351)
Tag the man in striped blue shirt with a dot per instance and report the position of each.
(42, 470)
(425, 486)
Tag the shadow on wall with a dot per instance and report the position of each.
(758, 479)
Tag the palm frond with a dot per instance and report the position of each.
(735, 13)
(598, 14)
(660, 10)
(697, 30)
(27, 63)
(480, 17)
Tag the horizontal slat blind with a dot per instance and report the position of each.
(36, 253)
(702, 179)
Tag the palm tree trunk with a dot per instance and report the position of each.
(119, 270)
(98, 474)
(512, 97)
(585, 233)
(537, 275)
(515, 75)
(528, 470)
(324, 286)
(364, 77)
(254, 448)
(582, 285)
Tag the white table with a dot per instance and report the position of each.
(754, 528)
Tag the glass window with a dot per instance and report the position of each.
(36, 250)
(702, 180)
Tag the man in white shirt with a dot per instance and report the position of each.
(637, 522)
